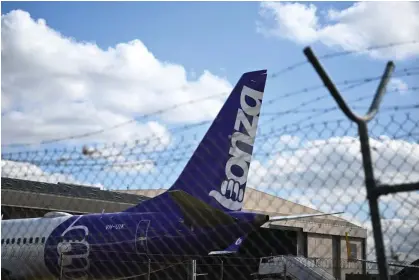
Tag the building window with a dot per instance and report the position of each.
(36, 239)
(354, 251)
(30, 240)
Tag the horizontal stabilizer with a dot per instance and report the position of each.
(294, 217)
(218, 253)
(198, 213)
(232, 249)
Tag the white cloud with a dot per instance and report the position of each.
(117, 159)
(337, 161)
(54, 86)
(400, 235)
(281, 143)
(134, 166)
(327, 175)
(362, 25)
(297, 22)
(404, 205)
(31, 172)
(398, 85)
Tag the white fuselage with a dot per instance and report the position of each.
(23, 245)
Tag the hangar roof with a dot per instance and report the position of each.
(71, 190)
(63, 197)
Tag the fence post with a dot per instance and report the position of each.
(222, 269)
(373, 201)
(149, 268)
(193, 269)
(285, 270)
(61, 265)
(370, 183)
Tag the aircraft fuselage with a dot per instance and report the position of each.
(104, 245)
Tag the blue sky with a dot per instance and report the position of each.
(219, 40)
(222, 38)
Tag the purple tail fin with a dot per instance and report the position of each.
(217, 171)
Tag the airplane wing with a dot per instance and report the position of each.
(201, 214)
(233, 248)
(294, 217)
(198, 213)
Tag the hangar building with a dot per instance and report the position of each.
(322, 239)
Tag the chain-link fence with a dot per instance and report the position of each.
(306, 159)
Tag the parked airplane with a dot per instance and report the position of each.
(199, 215)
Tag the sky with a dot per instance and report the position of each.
(73, 68)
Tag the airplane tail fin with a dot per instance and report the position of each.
(217, 171)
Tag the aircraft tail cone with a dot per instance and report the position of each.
(260, 219)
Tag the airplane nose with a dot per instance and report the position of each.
(260, 219)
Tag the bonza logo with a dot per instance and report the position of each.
(232, 189)
(74, 254)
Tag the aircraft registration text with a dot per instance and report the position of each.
(115, 226)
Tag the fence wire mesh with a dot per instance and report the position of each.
(306, 160)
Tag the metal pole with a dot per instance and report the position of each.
(373, 200)
(361, 121)
(222, 270)
(149, 268)
(61, 265)
(193, 269)
(285, 269)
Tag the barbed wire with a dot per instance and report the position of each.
(183, 148)
(350, 84)
(191, 102)
(306, 164)
(343, 53)
(97, 157)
